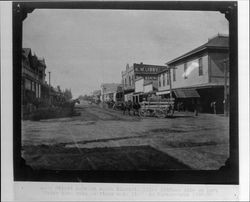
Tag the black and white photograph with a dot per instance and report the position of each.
(126, 92)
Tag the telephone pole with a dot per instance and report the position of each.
(225, 64)
(49, 90)
(170, 87)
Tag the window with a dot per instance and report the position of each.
(200, 67)
(174, 74)
(159, 79)
(167, 78)
(163, 82)
(185, 70)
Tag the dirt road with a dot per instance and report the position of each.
(106, 139)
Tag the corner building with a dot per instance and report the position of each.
(199, 75)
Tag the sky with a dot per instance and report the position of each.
(85, 48)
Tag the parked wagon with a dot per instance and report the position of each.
(159, 108)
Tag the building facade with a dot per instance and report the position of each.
(33, 76)
(198, 75)
(132, 73)
(96, 96)
(144, 89)
(145, 71)
(111, 92)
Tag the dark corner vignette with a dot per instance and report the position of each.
(228, 174)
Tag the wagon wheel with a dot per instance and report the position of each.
(142, 113)
(150, 112)
(160, 114)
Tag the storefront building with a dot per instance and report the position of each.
(198, 76)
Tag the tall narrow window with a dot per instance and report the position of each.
(163, 82)
(159, 79)
(174, 74)
(185, 70)
(167, 78)
(200, 67)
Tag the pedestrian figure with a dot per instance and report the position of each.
(123, 107)
(129, 106)
(213, 107)
(195, 106)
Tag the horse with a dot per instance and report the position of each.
(127, 106)
(136, 107)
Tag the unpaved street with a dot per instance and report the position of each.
(106, 139)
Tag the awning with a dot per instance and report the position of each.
(128, 91)
(163, 92)
(186, 93)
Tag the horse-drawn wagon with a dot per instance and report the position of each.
(157, 108)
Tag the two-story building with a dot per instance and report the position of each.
(198, 75)
(33, 76)
(132, 73)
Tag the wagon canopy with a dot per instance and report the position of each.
(186, 93)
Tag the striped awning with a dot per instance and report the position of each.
(186, 93)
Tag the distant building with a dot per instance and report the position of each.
(111, 92)
(136, 71)
(33, 76)
(96, 95)
(145, 71)
(198, 74)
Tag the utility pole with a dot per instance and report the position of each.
(170, 88)
(49, 90)
(170, 82)
(225, 64)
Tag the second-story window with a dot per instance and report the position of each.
(167, 78)
(174, 74)
(163, 81)
(200, 67)
(159, 79)
(185, 70)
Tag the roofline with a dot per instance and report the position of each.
(203, 47)
(192, 52)
(149, 65)
(163, 71)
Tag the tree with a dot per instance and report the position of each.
(59, 89)
(67, 94)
